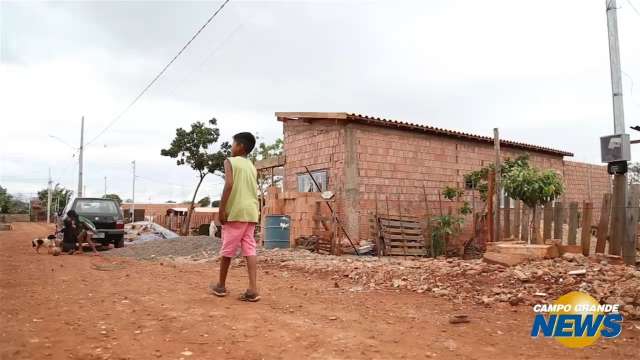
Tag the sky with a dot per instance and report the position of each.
(537, 70)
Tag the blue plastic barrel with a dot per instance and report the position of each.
(277, 231)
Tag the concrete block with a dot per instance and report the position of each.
(491, 257)
(574, 249)
(531, 251)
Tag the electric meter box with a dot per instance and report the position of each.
(615, 148)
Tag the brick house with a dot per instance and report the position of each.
(386, 166)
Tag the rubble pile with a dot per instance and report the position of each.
(193, 248)
(141, 231)
(540, 281)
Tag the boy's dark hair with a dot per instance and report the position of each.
(72, 214)
(246, 139)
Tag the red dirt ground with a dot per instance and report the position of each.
(63, 308)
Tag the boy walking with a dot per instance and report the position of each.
(239, 214)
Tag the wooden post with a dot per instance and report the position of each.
(524, 228)
(516, 220)
(629, 245)
(558, 220)
(535, 229)
(428, 241)
(603, 225)
(547, 220)
(498, 185)
(585, 236)
(490, 205)
(404, 242)
(507, 218)
(573, 222)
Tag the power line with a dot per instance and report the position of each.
(159, 74)
(633, 7)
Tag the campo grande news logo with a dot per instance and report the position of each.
(577, 320)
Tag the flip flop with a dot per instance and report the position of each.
(250, 297)
(219, 291)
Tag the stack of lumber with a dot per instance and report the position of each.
(400, 236)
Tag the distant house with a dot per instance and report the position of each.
(380, 165)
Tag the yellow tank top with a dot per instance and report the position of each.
(243, 200)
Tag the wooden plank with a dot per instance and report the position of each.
(400, 224)
(311, 115)
(406, 231)
(558, 220)
(573, 223)
(524, 228)
(516, 220)
(388, 236)
(585, 236)
(629, 243)
(603, 225)
(406, 244)
(547, 221)
(271, 162)
(507, 218)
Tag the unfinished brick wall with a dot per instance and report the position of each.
(586, 182)
(397, 169)
(318, 146)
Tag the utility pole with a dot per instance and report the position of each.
(105, 185)
(133, 191)
(80, 187)
(49, 199)
(619, 179)
(57, 201)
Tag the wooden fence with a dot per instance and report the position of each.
(569, 223)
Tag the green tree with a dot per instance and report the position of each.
(170, 202)
(204, 202)
(192, 148)
(6, 200)
(532, 186)
(215, 203)
(634, 173)
(59, 198)
(115, 197)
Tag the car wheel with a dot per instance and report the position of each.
(118, 242)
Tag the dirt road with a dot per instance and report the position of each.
(84, 307)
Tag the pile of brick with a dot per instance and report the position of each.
(476, 281)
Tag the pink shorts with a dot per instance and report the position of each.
(237, 234)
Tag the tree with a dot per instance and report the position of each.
(204, 202)
(215, 203)
(532, 186)
(170, 202)
(113, 197)
(6, 200)
(634, 173)
(192, 148)
(59, 198)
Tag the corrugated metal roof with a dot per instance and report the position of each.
(371, 120)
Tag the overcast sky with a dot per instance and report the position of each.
(538, 70)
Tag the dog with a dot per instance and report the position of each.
(49, 243)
